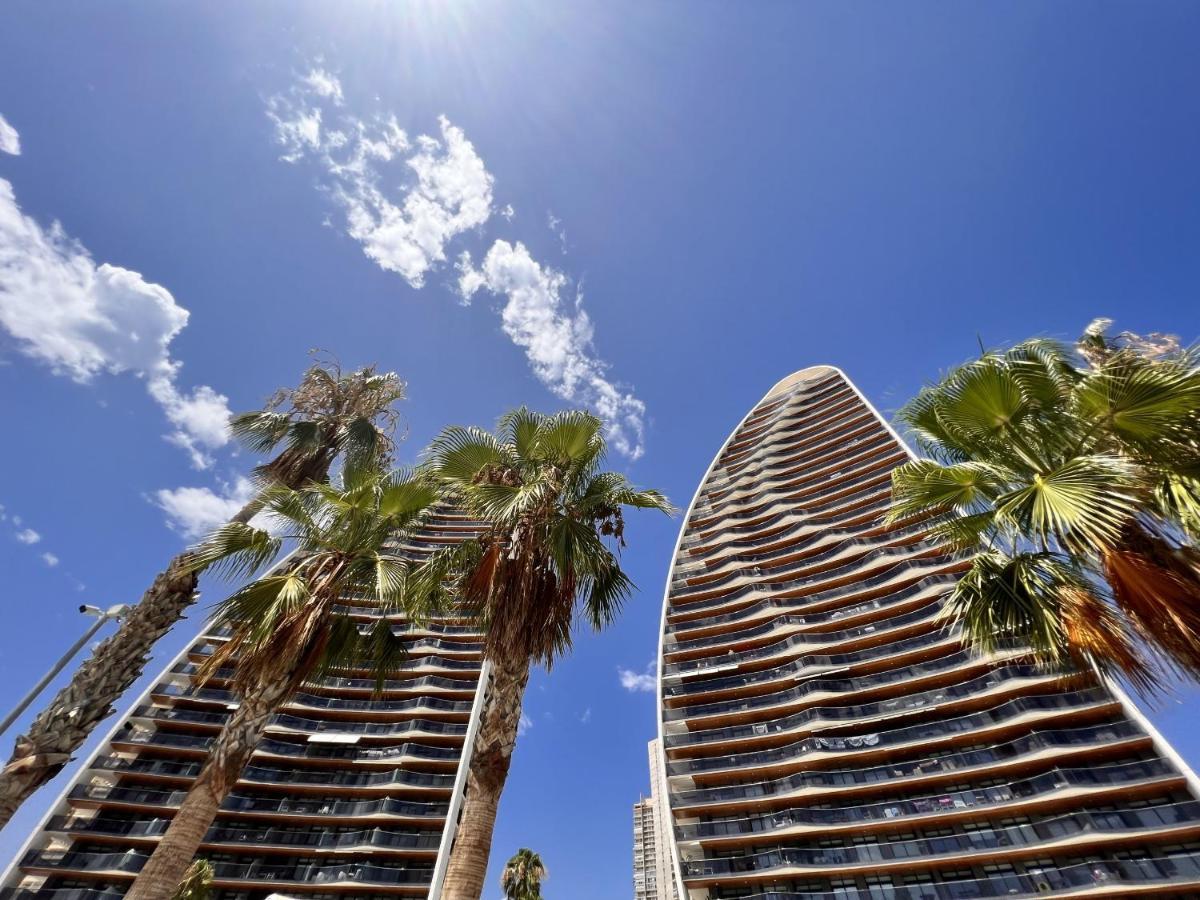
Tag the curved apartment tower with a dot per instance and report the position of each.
(826, 735)
(349, 796)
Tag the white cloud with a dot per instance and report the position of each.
(554, 223)
(195, 511)
(586, 716)
(50, 559)
(28, 536)
(556, 337)
(635, 682)
(10, 141)
(324, 84)
(406, 200)
(524, 725)
(83, 319)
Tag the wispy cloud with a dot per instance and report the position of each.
(28, 536)
(195, 511)
(10, 141)
(82, 320)
(50, 559)
(638, 682)
(556, 336)
(586, 716)
(405, 200)
(524, 724)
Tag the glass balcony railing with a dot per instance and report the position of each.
(869, 559)
(792, 623)
(258, 835)
(762, 568)
(938, 763)
(786, 415)
(368, 684)
(793, 527)
(803, 667)
(826, 685)
(821, 715)
(815, 475)
(414, 649)
(268, 775)
(1080, 824)
(929, 731)
(313, 806)
(1036, 881)
(831, 420)
(845, 437)
(928, 613)
(313, 701)
(267, 869)
(310, 726)
(902, 559)
(1057, 779)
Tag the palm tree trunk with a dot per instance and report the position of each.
(88, 699)
(488, 772)
(160, 878)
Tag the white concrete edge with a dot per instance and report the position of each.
(1161, 744)
(460, 782)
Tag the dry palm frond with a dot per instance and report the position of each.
(1097, 637)
(1158, 588)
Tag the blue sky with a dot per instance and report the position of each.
(665, 207)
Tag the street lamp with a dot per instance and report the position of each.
(101, 615)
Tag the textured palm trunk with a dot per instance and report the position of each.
(168, 865)
(485, 781)
(88, 699)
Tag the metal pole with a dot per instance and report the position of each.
(49, 676)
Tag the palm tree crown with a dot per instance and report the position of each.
(553, 520)
(1073, 480)
(553, 525)
(289, 625)
(523, 876)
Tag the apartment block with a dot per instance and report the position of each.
(349, 796)
(827, 734)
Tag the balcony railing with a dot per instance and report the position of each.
(1055, 780)
(1081, 824)
(309, 726)
(317, 806)
(927, 731)
(220, 695)
(1037, 880)
(936, 764)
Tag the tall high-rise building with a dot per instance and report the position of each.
(663, 867)
(349, 795)
(645, 851)
(827, 735)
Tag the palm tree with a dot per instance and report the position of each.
(543, 560)
(197, 882)
(1072, 477)
(287, 626)
(328, 413)
(523, 876)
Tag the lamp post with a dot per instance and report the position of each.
(101, 615)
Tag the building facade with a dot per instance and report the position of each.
(827, 735)
(645, 850)
(349, 795)
(663, 866)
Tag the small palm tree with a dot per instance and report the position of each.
(328, 414)
(545, 559)
(287, 627)
(523, 876)
(197, 882)
(1072, 478)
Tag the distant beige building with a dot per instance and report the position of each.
(664, 865)
(645, 846)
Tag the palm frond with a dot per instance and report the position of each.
(1085, 503)
(459, 454)
(259, 431)
(235, 551)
